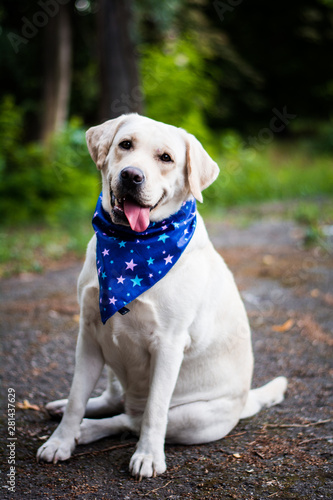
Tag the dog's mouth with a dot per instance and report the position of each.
(127, 210)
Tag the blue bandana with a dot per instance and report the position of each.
(129, 263)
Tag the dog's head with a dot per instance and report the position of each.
(148, 168)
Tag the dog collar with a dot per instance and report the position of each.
(129, 263)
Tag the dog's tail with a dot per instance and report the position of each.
(265, 396)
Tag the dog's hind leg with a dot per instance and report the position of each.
(94, 429)
(265, 396)
(205, 421)
(109, 403)
(202, 421)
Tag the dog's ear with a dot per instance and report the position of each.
(100, 138)
(201, 169)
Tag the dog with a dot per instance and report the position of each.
(179, 355)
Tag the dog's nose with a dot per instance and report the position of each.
(132, 176)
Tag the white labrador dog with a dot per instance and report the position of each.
(180, 362)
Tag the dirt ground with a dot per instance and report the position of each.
(284, 452)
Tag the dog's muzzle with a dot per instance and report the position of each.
(127, 207)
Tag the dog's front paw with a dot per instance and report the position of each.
(55, 450)
(147, 464)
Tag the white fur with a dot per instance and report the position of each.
(180, 362)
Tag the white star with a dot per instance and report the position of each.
(130, 265)
(168, 259)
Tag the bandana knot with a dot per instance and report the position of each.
(129, 263)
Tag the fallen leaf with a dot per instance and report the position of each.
(27, 406)
(285, 327)
(268, 260)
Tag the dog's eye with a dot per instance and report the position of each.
(126, 144)
(165, 157)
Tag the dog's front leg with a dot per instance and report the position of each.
(166, 359)
(89, 363)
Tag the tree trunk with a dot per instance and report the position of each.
(57, 72)
(120, 87)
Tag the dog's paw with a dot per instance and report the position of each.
(90, 431)
(55, 450)
(57, 408)
(147, 464)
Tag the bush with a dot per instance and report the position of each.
(280, 171)
(54, 184)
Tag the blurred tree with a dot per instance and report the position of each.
(57, 71)
(120, 89)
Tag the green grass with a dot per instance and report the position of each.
(279, 172)
(36, 249)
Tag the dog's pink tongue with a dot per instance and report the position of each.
(138, 217)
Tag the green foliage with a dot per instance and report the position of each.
(323, 142)
(277, 172)
(314, 216)
(307, 214)
(78, 182)
(39, 184)
(176, 88)
(159, 15)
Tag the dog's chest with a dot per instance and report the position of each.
(130, 335)
(126, 342)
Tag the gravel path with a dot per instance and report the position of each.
(284, 452)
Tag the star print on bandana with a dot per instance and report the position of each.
(129, 263)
